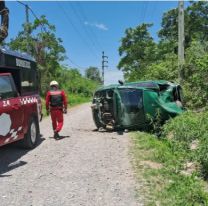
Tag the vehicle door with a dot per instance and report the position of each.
(11, 111)
(131, 107)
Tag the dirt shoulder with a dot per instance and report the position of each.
(86, 168)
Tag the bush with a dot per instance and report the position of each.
(183, 130)
(185, 191)
(195, 73)
(162, 168)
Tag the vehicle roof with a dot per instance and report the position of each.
(150, 84)
(16, 60)
(5, 74)
(16, 54)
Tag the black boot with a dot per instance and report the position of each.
(56, 135)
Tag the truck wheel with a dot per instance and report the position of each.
(32, 136)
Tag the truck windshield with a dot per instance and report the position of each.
(131, 98)
(6, 88)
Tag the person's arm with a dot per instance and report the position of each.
(65, 104)
(47, 101)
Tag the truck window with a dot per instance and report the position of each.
(7, 89)
(29, 81)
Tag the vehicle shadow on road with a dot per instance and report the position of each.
(9, 157)
(119, 132)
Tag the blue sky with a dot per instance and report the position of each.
(88, 28)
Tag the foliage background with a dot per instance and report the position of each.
(144, 59)
(49, 53)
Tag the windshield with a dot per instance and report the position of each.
(131, 99)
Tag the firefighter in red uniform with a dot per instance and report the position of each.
(56, 104)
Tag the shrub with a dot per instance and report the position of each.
(183, 130)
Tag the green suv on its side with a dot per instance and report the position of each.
(134, 105)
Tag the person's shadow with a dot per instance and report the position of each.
(60, 137)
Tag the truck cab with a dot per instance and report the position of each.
(20, 103)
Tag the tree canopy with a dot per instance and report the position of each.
(93, 73)
(142, 58)
(49, 52)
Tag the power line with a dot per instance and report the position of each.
(75, 29)
(42, 26)
(76, 65)
(72, 62)
(77, 14)
(143, 12)
(84, 18)
(33, 13)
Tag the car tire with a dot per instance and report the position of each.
(97, 122)
(32, 136)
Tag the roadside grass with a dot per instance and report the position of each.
(73, 99)
(171, 173)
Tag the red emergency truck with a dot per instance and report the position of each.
(20, 103)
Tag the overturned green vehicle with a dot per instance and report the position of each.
(135, 105)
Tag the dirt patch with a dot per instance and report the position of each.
(189, 168)
(151, 164)
(194, 145)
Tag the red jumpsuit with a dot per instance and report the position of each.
(56, 101)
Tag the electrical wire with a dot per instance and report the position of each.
(43, 28)
(76, 30)
(84, 28)
(76, 65)
(145, 10)
(84, 18)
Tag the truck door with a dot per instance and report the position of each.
(131, 106)
(11, 111)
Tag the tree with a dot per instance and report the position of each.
(73, 82)
(137, 50)
(196, 21)
(44, 46)
(195, 73)
(93, 73)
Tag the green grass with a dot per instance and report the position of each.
(165, 184)
(73, 100)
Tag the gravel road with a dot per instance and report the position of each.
(87, 167)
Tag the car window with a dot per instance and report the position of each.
(6, 88)
(131, 98)
(29, 81)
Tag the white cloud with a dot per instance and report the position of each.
(112, 76)
(97, 25)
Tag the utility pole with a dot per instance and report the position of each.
(103, 66)
(27, 32)
(27, 27)
(181, 40)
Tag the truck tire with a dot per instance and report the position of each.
(32, 136)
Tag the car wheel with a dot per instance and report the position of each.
(32, 136)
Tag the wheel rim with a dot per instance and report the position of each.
(33, 132)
